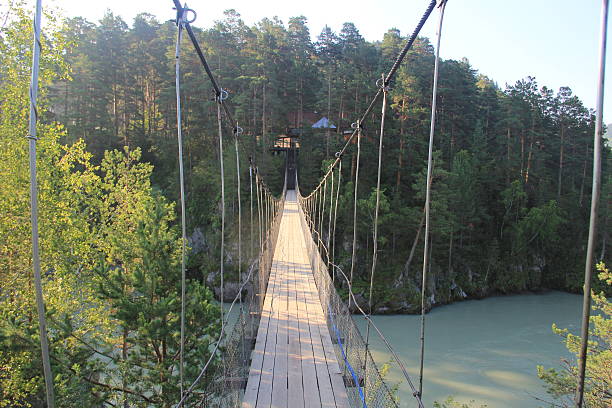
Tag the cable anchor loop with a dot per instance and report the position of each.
(222, 95)
(182, 15)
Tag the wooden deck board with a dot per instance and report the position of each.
(293, 362)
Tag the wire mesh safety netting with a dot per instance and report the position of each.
(225, 383)
(364, 382)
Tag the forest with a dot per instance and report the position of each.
(510, 204)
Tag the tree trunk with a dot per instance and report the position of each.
(529, 156)
(450, 250)
(301, 112)
(400, 280)
(584, 175)
(398, 179)
(508, 158)
(115, 120)
(328, 116)
(263, 121)
(341, 111)
(254, 126)
(559, 181)
(522, 154)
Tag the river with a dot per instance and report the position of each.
(483, 350)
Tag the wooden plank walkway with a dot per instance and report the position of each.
(293, 363)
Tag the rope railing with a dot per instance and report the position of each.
(223, 388)
(221, 385)
(366, 386)
(223, 376)
(314, 209)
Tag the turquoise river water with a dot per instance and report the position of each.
(482, 350)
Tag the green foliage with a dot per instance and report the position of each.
(101, 225)
(143, 295)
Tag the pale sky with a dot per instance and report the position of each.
(556, 41)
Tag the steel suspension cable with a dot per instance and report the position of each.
(595, 195)
(357, 160)
(269, 202)
(252, 252)
(32, 136)
(385, 91)
(264, 213)
(222, 249)
(308, 202)
(428, 194)
(239, 214)
(318, 209)
(258, 211)
(315, 209)
(241, 313)
(415, 33)
(322, 221)
(179, 127)
(267, 224)
(329, 224)
(336, 218)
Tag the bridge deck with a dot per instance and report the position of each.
(293, 363)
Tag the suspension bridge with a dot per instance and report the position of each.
(294, 342)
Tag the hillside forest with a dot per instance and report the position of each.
(510, 204)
